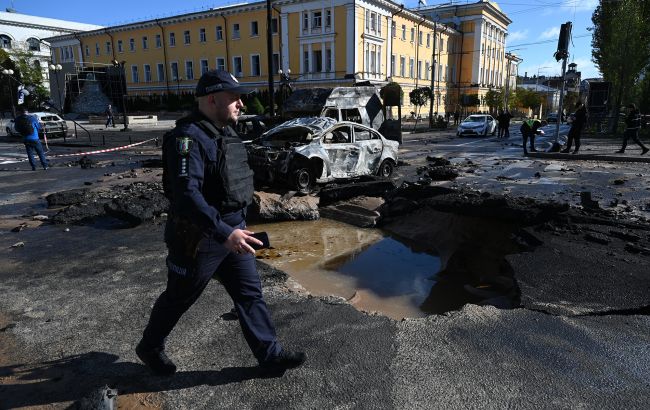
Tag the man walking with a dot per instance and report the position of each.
(209, 183)
(529, 129)
(633, 125)
(578, 123)
(28, 126)
(504, 123)
(109, 116)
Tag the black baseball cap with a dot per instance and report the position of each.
(219, 80)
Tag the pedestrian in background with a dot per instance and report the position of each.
(579, 119)
(504, 123)
(109, 116)
(209, 183)
(28, 126)
(633, 125)
(456, 117)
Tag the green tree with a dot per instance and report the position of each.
(528, 98)
(620, 46)
(493, 99)
(26, 72)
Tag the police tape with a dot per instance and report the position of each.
(101, 151)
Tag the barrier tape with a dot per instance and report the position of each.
(103, 150)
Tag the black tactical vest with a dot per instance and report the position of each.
(235, 177)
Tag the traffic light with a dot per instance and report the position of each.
(563, 41)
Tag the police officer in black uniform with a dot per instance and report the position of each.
(633, 125)
(209, 183)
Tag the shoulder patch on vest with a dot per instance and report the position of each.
(183, 145)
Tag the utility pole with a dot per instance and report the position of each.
(269, 51)
(433, 72)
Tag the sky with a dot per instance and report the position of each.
(532, 35)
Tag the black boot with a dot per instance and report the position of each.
(156, 359)
(283, 361)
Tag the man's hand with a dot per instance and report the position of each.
(238, 242)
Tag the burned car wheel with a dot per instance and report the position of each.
(303, 180)
(386, 168)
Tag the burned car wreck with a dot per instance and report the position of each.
(304, 151)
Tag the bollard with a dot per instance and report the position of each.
(156, 140)
(130, 140)
(64, 135)
(75, 129)
(103, 139)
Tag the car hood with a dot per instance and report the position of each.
(472, 124)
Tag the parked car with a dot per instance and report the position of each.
(52, 124)
(304, 151)
(477, 124)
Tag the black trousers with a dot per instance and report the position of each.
(528, 135)
(186, 280)
(634, 134)
(574, 135)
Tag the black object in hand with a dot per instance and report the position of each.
(263, 237)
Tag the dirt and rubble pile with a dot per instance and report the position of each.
(268, 206)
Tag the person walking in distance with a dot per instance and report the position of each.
(578, 123)
(633, 125)
(28, 126)
(529, 129)
(209, 183)
(109, 116)
(504, 123)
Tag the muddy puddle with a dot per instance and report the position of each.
(430, 262)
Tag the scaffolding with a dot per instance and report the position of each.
(107, 78)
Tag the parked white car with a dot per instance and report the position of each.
(51, 123)
(477, 124)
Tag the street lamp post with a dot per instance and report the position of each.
(56, 68)
(285, 87)
(120, 66)
(9, 73)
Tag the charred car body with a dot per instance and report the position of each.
(305, 151)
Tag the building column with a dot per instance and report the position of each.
(351, 36)
(284, 64)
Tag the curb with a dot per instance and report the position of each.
(588, 157)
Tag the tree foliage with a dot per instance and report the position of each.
(469, 100)
(493, 99)
(620, 46)
(27, 73)
(526, 98)
(420, 96)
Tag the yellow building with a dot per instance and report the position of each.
(321, 43)
(484, 29)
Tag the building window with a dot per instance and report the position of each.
(34, 44)
(88, 50)
(134, 74)
(189, 70)
(145, 42)
(255, 65)
(219, 35)
(221, 63)
(305, 61)
(328, 18)
(420, 37)
(412, 34)
(373, 22)
(175, 76)
(402, 66)
(276, 63)
(186, 37)
(393, 29)
(5, 41)
(202, 37)
(108, 47)
(172, 39)
(373, 61)
(254, 29)
(411, 67)
(428, 40)
(274, 26)
(96, 49)
(235, 31)
(392, 64)
(442, 44)
(158, 41)
(318, 61)
(317, 20)
(403, 32)
(237, 67)
(147, 73)
(204, 66)
(161, 72)
(305, 21)
(132, 44)
(120, 47)
(419, 69)
(329, 66)
(427, 68)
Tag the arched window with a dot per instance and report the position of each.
(5, 41)
(34, 44)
